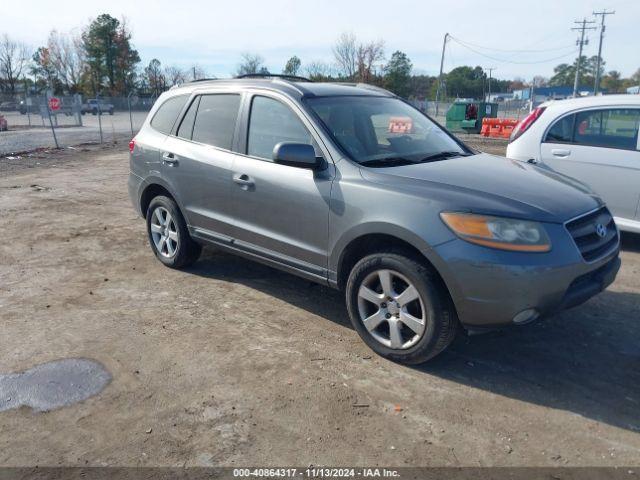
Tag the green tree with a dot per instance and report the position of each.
(397, 76)
(154, 77)
(293, 66)
(465, 82)
(564, 74)
(110, 57)
(612, 82)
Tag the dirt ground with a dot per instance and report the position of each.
(233, 363)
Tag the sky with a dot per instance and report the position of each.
(517, 39)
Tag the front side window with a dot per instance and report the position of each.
(167, 114)
(270, 123)
(216, 119)
(612, 128)
(383, 130)
(562, 130)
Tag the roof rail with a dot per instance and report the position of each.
(294, 78)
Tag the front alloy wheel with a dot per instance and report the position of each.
(400, 307)
(391, 309)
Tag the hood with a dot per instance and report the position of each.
(493, 185)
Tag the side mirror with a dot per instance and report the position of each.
(301, 155)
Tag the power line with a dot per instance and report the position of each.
(602, 14)
(503, 60)
(555, 49)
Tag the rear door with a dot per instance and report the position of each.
(600, 148)
(197, 160)
(282, 212)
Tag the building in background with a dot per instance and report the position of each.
(634, 90)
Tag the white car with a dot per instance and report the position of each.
(592, 139)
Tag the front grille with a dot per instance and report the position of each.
(584, 231)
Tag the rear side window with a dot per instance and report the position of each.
(562, 131)
(167, 114)
(216, 119)
(186, 126)
(270, 123)
(614, 128)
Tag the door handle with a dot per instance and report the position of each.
(559, 152)
(243, 180)
(170, 159)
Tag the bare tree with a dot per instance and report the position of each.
(67, 59)
(367, 54)
(345, 53)
(14, 57)
(251, 63)
(318, 70)
(174, 75)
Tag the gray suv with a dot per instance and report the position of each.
(351, 187)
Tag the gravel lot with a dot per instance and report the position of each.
(233, 363)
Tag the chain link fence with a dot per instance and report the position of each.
(33, 124)
(506, 109)
(46, 121)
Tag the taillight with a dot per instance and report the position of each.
(526, 122)
(132, 145)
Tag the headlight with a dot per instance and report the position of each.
(498, 232)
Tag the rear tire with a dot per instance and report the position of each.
(400, 308)
(168, 234)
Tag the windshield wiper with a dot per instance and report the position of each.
(442, 156)
(386, 162)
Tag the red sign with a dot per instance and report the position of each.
(400, 125)
(54, 103)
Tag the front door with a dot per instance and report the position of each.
(281, 212)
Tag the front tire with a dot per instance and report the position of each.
(168, 234)
(400, 308)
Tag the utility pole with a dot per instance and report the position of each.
(602, 14)
(581, 43)
(444, 45)
(491, 69)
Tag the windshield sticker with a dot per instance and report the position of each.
(400, 125)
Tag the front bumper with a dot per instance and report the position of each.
(491, 288)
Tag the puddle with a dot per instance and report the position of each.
(53, 385)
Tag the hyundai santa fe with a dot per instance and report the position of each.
(349, 186)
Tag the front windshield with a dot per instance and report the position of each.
(382, 129)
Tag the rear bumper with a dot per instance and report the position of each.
(492, 288)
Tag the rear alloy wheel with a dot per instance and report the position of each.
(168, 234)
(400, 308)
(164, 232)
